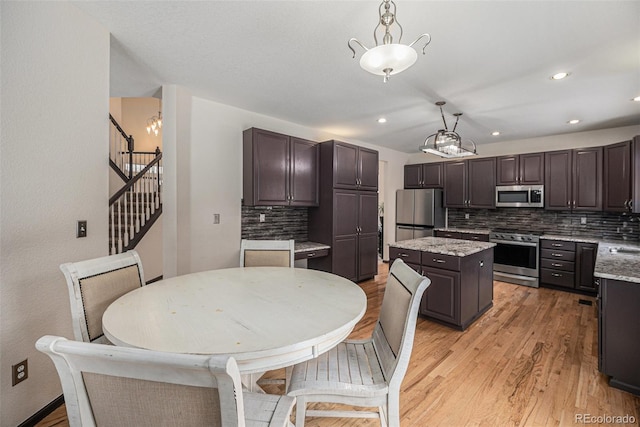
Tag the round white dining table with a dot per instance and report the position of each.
(265, 317)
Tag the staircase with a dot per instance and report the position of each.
(138, 204)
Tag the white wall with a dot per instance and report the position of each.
(53, 171)
(206, 149)
(548, 143)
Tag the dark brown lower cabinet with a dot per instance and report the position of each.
(568, 265)
(619, 333)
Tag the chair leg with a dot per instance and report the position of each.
(301, 411)
(382, 411)
(393, 410)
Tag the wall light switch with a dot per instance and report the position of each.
(81, 228)
(216, 218)
(583, 220)
(262, 218)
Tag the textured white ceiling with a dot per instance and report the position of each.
(490, 60)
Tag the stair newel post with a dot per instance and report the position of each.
(130, 148)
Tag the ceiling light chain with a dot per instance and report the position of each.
(447, 143)
(388, 58)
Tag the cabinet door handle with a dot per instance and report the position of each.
(555, 264)
(404, 255)
(557, 255)
(440, 261)
(557, 245)
(556, 275)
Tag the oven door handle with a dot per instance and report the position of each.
(512, 242)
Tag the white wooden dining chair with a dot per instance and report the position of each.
(94, 284)
(366, 373)
(267, 253)
(107, 385)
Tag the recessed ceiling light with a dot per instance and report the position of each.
(637, 98)
(573, 122)
(382, 120)
(559, 76)
(496, 133)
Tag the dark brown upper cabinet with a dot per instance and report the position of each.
(522, 169)
(354, 168)
(279, 170)
(470, 183)
(618, 175)
(573, 179)
(423, 175)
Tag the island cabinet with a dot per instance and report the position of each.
(279, 170)
(347, 218)
(521, 169)
(461, 287)
(618, 332)
(573, 179)
(424, 175)
(622, 176)
(470, 183)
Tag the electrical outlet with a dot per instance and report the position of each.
(81, 228)
(466, 216)
(19, 372)
(216, 218)
(262, 218)
(583, 220)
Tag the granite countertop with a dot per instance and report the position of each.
(441, 245)
(620, 265)
(465, 230)
(310, 246)
(570, 238)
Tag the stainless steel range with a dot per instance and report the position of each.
(516, 256)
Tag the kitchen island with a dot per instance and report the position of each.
(617, 270)
(461, 274)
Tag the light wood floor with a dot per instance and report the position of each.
(532, 360)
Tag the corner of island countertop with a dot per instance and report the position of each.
(444, 246)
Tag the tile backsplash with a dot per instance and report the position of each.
(280, 223)
(600, 225)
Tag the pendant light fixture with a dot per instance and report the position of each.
(389, 58)
(154, 124)
(447, 143)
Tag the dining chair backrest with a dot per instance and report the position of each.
(118, 386)
(395, 329)
(267, 253)
(94, 284)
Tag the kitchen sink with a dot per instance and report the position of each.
(618, 250)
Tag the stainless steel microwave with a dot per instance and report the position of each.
(520, 196)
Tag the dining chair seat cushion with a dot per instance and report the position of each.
(266, 258)
(101, 290)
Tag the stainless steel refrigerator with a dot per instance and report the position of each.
(418, 212)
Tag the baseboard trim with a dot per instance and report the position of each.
(43, 413)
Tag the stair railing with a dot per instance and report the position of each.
(121, 148)
(138, 204)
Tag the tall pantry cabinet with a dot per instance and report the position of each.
(347, 218)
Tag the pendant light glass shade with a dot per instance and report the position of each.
(388, 58)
